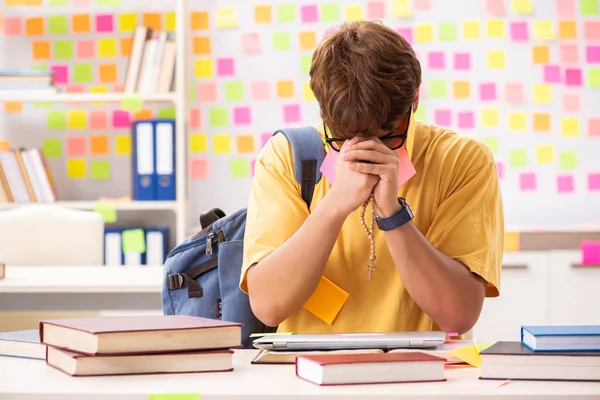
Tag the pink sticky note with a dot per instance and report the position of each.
(500, 169)
(551, 73)
(572, 102)
(12, 26)
(199, 168)
(527, 181)
(466, 120)
(436, 60)
(594, 126)
(443, 117)
(565, 9)
(75, 89)
(565, 184)
(85, 49)
(514, 93)
(309, 13)
(76, 146)
(591, 30)
(291, 113)
(225, 67)
(519, 31)
(590, 252)
(406, 33)
(264, 138)
(376, 10)
(487, 91)
(495, 7)
(207, 92)
(104, 23)
(251, 43)
(260, 90)
(422, 5)
(98, 119)
(451, 334)
(573, 77)
(462, 61)
(592, 54)
(80, 3)
(61, 73)
(121, 119)
(569, 54)
(195, 118)
(594, 181)
(241, 115)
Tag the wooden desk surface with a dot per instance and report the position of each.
(31, 379)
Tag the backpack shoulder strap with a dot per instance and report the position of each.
(309, 152)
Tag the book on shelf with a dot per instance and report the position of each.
(561, 337)
(22, 344)
(37, 81)
(25, 177)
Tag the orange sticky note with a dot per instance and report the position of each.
(41, 50)
(13, 106)
(81, 23)
(34, 26)
(4, 145)
(285, 89)
(99, 145)
(512, 241)
(541, 122)
(142, 114)
(108, 73)
(262, 14)
(153, 21)
(541, 54)
(469, 354)
(462, 89)
(308, 40)
(567, 29)
(326, 301)
(245, 144)
(201, 45)
(199, 20)
(126, 44)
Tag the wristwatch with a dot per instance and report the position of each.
(396, 221)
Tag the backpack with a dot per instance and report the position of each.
(202, 273)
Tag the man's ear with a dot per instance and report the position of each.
(415, 105)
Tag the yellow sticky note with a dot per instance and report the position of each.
(569, 126)
(545, 154)
(354, 13)
(512, 241)
(198, 143)
(170, 21)
(307, 92)
(127, 22)
(495, 28)
(203, 69)
(76, 169)
(542, 93)
(469, 354)
(326, 301)
(400, 8)
(222, 144)
(496, 59)
(108, 210)
(123, 145)
(517, 121)
(543, 30)
(522, 6)
(490, 117)
(227, 18)
(424, 33)
(77, 119)
(107, 48)
(471, 30)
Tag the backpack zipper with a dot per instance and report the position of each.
(209, 241)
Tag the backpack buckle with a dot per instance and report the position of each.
(175, 281)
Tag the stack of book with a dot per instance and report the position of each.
(27, 80)
(139, 345)
(546, 353)
(25, 177)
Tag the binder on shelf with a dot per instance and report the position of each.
(113, 249)
(164, 139)
(156, 246)
(144, 165)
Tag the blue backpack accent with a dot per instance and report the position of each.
(202, 273)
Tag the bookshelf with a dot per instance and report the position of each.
(90, 205)
(35, 96)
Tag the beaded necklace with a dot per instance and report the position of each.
(369, 230)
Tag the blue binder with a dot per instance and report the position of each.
(164, 139)
(144, 162)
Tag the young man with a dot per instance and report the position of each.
(310, 271)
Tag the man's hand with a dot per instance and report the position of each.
(371, 156)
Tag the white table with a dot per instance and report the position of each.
(30, 379)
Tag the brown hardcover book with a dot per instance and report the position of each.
(76, 364)
(5, 192)
(140, 335)
(289, 357)
(353, 369)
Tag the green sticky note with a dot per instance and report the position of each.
(420, 113)
(589, 7)
(286, 13)
(482, 346)
(167, 113)
(57, 2)
(83, 73)
(240, 168)
(518, 158)
(218, 117)
(330, 12)
(42, 104)
(52, 148)
(191, 93)
(174, 396)
(492, 143)
(63, 49)
(305, 64)
(132, 102)
(57, 120)
(39, 68)
(100, 170)
(108, 2)
(134, 241)
(107, 210)
(568, 160)
(234, 91)
(447, 32)
(593, 77)
(58, 24)
(437, 88)
(281, 41)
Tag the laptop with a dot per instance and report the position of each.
(333, 341)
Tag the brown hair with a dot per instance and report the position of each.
(364, 76)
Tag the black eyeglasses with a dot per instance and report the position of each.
(392, 140)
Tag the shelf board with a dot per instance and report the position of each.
(45, 96)
(89, 205)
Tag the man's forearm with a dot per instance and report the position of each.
(442, 287)
(281, 283)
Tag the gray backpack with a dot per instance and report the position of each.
(202, 273)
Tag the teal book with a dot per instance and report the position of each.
(22, 344)
(561, 337)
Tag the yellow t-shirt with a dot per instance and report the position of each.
(454, 195)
